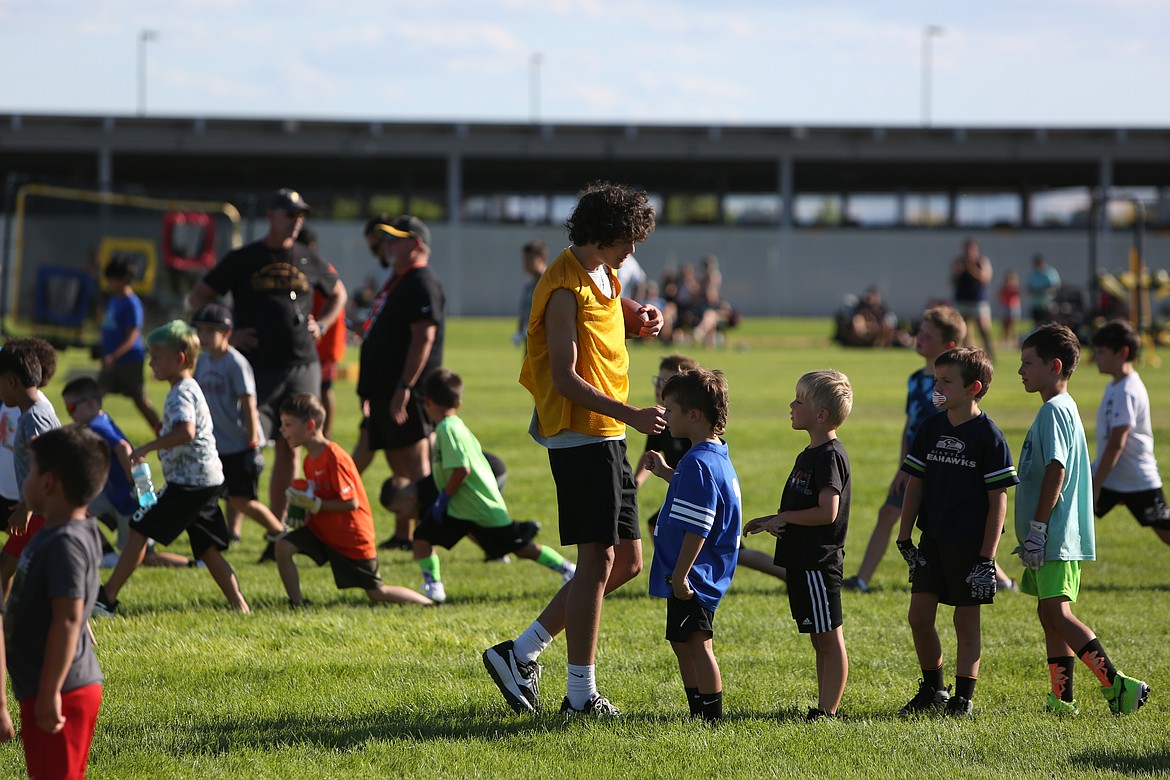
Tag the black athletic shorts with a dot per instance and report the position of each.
(684, 618)
(124, 379)
(947, 565)
(597, 501)
(181, 508)
(236, 481)
(276, 385)
(815, 599)
(1147, 506)
(496, 542)
(347, 572)
(386, 434)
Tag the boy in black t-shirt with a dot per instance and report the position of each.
(960, 468)
(810, 529)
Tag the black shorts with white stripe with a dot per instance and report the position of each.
(815, 599)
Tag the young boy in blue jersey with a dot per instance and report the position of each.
(696, 537)
(1054, 523)
(810, 528)
(123, 352)
(960, 468)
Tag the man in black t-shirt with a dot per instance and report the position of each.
(271, 282)
(402, 344)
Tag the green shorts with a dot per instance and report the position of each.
(1052, 580)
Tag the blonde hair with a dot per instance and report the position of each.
(829, 390)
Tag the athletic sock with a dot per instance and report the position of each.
(694, 701)
(551, 558)
(1098, 661)
(1060, 673)
(964, 686)
(529, 645)
(430, 568)
(582, 685)
(933, 678)
(712, 704)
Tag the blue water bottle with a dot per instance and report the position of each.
(143, 485)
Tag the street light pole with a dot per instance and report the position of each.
(144, 37)
(534, 87)
(929, 33)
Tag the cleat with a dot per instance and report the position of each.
(819, 714)
(855, 583)
(269, 554)
(957, 705)
(1126, 695)
(396, 543)
(926, 700)
(1060, 706)
(103, 606)
(568, 572)
(434, 591)
(597, 705)
(517, 680)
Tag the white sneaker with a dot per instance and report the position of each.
(435, 591)
(568, 572)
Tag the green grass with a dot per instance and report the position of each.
(347, 689)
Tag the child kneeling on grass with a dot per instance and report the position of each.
(461, 497)
(696, 537)
(339, 526)
(55, 674)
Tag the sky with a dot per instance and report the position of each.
(1029, 63)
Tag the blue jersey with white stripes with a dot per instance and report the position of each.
(703, 499)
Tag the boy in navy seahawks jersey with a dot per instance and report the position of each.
(810, 529)
(696, 538)
(960, 468)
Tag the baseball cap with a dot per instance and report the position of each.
(286, 199)
(213, 314)
(406, 226)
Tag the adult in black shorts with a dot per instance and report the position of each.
(402, 344)
(271, 282)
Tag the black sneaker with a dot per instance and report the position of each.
(397, 543)
(517, 680)
(269, 554)
(855, 583)
(103, 605)
(819, 714)
(597, 706)
(926, 700)
(957, 705)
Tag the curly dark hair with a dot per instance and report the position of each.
(607, 213)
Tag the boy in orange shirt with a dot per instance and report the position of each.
(339, 526)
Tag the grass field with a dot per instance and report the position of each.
(346, 689)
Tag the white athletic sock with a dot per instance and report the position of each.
(582, 685)
(529, 645)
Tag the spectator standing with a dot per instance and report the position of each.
(1043, 283)
(271, 282)
(971, 278)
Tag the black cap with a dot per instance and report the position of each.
(406, 226)
(213, 314)
(286, 199)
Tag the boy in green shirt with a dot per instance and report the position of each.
(461, 497)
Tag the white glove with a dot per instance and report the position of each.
(303, 499)
(1031, 552)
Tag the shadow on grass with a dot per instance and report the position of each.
(1118, 759)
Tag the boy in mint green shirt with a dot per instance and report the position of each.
(461, 496)
(1054, 523)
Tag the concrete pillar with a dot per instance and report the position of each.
(454, 285)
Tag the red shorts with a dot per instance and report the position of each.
(16, 544)
(66, 753)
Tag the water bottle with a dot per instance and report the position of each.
(143, 485)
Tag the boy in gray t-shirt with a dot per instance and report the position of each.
(228, 384)
(52, 599)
